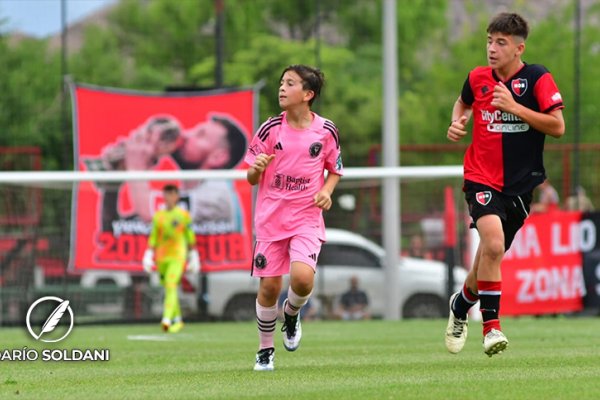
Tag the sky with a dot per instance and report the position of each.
(41, 18)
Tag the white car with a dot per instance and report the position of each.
(421, 283)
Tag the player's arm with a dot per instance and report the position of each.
(461, 112)
(551, 123)
(148, 260)
(260, 164)
(193, 255)
(323, 197)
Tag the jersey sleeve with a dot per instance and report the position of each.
(260, 141)
(333, 152)
(190, 236)
(466, 95)
(547, 94)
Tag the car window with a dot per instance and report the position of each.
(347, 256)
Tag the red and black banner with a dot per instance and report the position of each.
(543, 273)
(118, 130)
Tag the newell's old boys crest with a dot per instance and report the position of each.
(519, 86)
(483, 198)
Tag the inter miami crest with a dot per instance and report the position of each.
(483, 198)
(315, 149)
(519, 86)
(260, 261)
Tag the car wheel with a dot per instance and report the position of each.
(424, 306)
(241, 307)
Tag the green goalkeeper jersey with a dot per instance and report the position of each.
(171, 234)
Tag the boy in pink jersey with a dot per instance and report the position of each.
(287, 158)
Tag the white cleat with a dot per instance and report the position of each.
(494, 342)
(456, 331)
(292, 330)
(265, 360)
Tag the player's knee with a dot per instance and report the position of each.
(493, 249)
(270, 289)
(302, 286)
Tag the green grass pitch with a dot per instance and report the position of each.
(547, 358)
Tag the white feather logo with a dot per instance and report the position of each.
(53, 319)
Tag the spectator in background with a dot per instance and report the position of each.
(417, 248)
(579, 201)
(354, 303)
(548, 198)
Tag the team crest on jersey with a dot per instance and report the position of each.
(483, 198)
(519, 86)
(315, 149)
(260, 261)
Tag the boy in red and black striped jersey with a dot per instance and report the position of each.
(514, 106)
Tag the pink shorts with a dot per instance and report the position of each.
(275, 258)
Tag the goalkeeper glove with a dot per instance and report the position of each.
(148, 260)
(193, 261)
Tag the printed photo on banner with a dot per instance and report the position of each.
(145, 132)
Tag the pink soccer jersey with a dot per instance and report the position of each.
(285, 203)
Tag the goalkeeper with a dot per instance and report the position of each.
(170, 239)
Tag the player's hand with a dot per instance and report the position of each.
(503, 98)
(148, 260)
(139, 151)
(323, 200)
(193, 261)
(456, 130)
(262, 161)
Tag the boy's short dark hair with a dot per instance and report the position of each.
(509, 24)
(312, 78)
(170, 188)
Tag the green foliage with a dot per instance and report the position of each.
(152, 44)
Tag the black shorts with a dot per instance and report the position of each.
(512, 210)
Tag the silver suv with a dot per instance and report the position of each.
(421, 283)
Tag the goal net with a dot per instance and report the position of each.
(81, 235)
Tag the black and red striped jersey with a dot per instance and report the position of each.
(506, 153)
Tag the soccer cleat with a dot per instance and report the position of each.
(494, 342)
(265, 359)
(292, 330)
(165, 324)
(176, 327)
(456, 331)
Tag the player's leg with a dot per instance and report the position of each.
(270, 261)
(177, 318)
(459, 304)
(171, 308)
(489, 281)
(304, 252)
(161, 268)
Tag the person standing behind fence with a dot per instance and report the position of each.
(514, 106)
(287, 158)
(170, 239)
(354, 303)
(548, 198)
